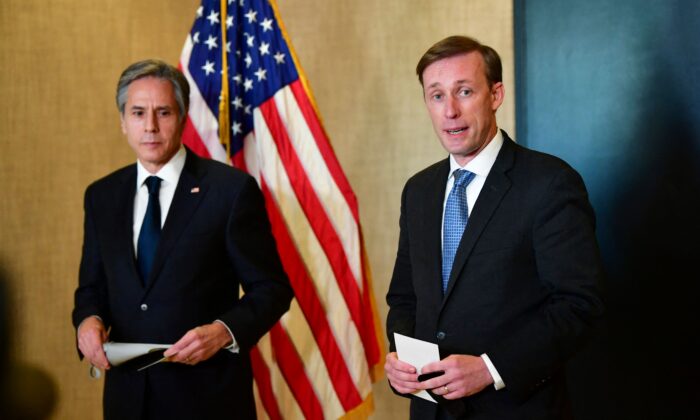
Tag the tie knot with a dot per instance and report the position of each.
(463, 177)
(153, 184)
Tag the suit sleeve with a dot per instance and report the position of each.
(91, 294)
(569, 268)
(401, 296)
(252, 250)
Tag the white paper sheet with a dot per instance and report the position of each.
(417, 353)
(118, 353)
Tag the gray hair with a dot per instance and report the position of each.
(161, 70)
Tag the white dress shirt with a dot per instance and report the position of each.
(481, 166)
(169, 175)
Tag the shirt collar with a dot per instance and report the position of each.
(482, 163)
(170, 172)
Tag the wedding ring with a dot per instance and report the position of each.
(447, 390)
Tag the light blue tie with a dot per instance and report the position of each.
(456, 216)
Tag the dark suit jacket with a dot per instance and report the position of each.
(214, 239)
(523, 287)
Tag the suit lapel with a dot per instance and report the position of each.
(188, 196)
(124, 235)
(432, 217)
(494, 189)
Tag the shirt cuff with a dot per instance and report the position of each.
(233, 347)
(497, 380)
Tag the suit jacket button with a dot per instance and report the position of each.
(144, 307)
(440, 335)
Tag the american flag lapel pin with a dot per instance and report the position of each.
(194, 190)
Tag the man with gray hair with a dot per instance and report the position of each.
(168, 241)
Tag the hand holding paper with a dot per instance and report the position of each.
(417, 353)
(91, 335)
(199, 344)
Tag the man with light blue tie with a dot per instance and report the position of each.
(497, 260)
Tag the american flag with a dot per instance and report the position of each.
(251, 106)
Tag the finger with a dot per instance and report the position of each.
(397, 364)
(100, 360)
(180, 345)
(402, 390)
(403, 366)
(435, 383)
(403, 376)
(451, 395)
(90, 344)
(189, 353)
(434, 367)
(402, 387)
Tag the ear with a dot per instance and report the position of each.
(498, 92)
(121, 122)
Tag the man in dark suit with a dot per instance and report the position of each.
(168, 241)
(497, 260)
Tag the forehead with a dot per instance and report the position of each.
(467, 67)
(151, 89)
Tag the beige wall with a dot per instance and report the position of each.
(59, 62)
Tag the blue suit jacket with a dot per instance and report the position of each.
(216, 237)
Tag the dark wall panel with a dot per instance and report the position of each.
(613, 87)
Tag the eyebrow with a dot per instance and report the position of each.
(158, 108)
(457, 82)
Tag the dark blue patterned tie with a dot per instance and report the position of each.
(150, 229)
(456, 215)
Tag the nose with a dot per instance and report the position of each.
(451, 107)
(151, 125)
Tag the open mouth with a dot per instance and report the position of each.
(456, 130)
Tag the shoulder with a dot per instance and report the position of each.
(545, 180)
(109, 183)
(538, 166)
(218, 176)
(217, 171)
(427, 177)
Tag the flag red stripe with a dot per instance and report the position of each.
(292, 369)
(324, 146)
(310, 304)
(369, 339)
(262, 379)
(321, 225)
(238, 160)
(191, 139)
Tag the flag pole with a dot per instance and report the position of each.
(224, 124)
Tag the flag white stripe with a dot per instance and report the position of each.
(300, 334)
(259, 407)
(330, 196)
(341, 324)
(288, 406)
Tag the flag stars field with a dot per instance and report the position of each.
(266, 25)
(213, 17)
(208, 68)
(211, 42)
(251, 16)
